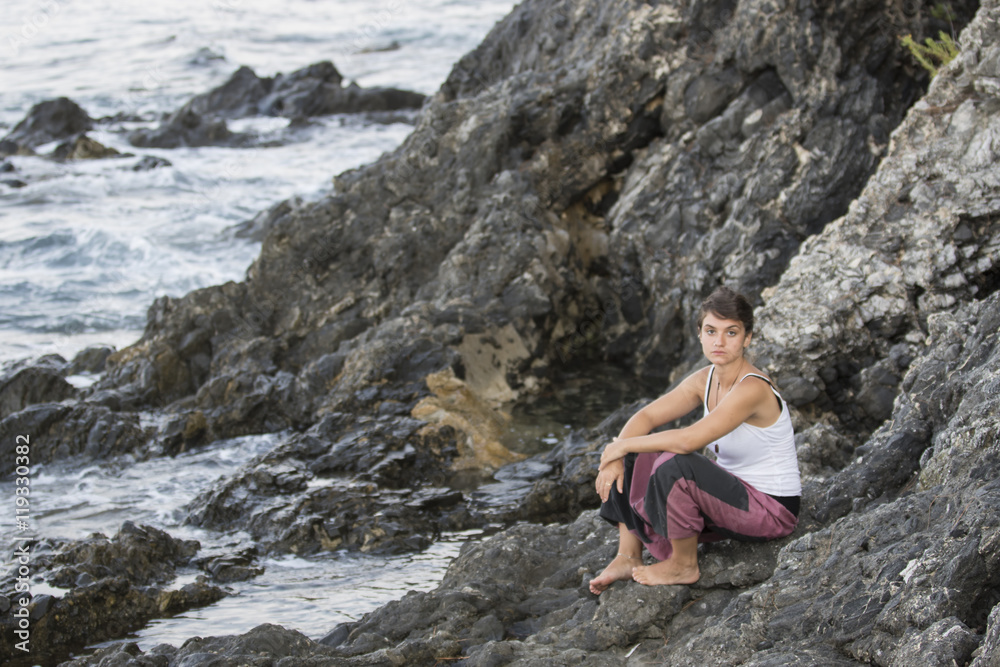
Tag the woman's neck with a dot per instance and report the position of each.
(724, 378)
(727, 374)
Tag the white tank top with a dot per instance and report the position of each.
(762, 457)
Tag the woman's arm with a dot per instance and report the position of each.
(737, 407)
(676, 403)
(673, 405)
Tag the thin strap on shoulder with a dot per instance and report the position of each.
(708, 386)
(769, 384)
(757, 375)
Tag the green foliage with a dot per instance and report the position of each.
(944, 12)
(933, 53)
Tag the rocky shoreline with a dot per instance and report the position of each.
(579, 182)
(316, 90)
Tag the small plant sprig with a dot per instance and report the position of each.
(933, 53)
(944, 12)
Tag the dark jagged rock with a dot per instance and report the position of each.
(231, 566)
(47, 121)
(41, 381)
(184, 127)
(253, 648)
(855, 306)
(82, 147)
(143, 555)
(8, 147)
(361, 489)
(113, 587)
(150, 162)
(58, 431)
(90, 360)
(316, 90)
(257, 228)
(237, 98)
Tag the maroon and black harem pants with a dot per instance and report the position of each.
(672, 496)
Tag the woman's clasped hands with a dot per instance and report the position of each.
(612, 469)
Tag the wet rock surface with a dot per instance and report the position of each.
(41, 381)
(47, 121)
(316, 90)
(109, 588)
(255, 647)
(59, 431)
(82, 147)
(184, 127)
(37, 399)
(578, 184)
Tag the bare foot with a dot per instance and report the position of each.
(619, 569)
(666, 573)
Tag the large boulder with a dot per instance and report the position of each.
(58, 431)
(47, 121)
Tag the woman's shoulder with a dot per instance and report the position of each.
(693, 383)
(755, 373)
(762, 388)
(757, 381)
(699, 376)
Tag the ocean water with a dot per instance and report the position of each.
(86, 246)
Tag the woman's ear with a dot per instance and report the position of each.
(746, 341)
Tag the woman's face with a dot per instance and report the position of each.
(722, 340)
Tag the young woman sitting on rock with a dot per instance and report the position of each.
(664, 494)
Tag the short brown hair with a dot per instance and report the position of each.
(728, 304)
